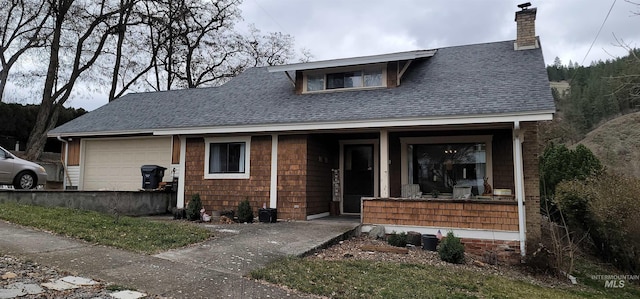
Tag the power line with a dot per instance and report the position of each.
(269, 15)
(599, 30)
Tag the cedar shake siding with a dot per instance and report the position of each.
(471, 214)
(304, 177)
(225, 194)
(320, 161)
(292, 177)
(453, 214)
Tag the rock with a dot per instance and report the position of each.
(59, 285)
(128, 295)
(9, 275)
(11, 293)
(377, 232)
(27, 288)
(81, 281)
(384, 248)
(479, 264)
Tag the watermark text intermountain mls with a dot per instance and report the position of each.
(614, 281)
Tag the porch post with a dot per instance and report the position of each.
(183, 170)
(273, 189)
(518, 138)
(384, 163)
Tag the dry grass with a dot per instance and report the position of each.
(616, 144)
(346, 271)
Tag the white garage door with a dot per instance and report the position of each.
(114, 164)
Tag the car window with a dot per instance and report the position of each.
(2, 154)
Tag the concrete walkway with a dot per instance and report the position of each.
(213, 269)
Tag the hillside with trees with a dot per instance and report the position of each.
(18, 120)
(590, 169)
(597, 93)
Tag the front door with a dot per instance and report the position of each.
(358, 180)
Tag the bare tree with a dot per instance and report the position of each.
(206, 43)
(81, 28)
(171, 44)
(22, 29)
(120, 31)
(140, 38)
(269, 49)
(138, 44)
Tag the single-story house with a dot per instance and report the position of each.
(377, 136)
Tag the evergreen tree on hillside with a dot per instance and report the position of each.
(598, 92)
(17, 121)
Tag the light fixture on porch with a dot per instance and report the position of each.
(450, 151)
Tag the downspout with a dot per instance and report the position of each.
(66, 162)
(519, 180)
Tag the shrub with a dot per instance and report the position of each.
(245, 213)
(558, 163)
(398, 240)
(451, 249)
(193, 208)
(606, 208)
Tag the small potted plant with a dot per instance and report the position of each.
(435, 193)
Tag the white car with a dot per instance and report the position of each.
(20, 173)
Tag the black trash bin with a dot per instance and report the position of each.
(429, 242)
(268, 215)
(151, 176)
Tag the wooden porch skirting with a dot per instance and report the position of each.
(452, 214)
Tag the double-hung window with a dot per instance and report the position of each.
(227, 158)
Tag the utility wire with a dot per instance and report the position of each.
(269, 15)
(575, 71)
(599, 30)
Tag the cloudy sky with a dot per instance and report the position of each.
(338, 28)
(347, 28)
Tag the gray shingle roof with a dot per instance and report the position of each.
(482, 79)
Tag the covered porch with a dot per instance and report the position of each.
(448, 169)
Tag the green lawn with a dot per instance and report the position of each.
(367, 279)
(134, 234)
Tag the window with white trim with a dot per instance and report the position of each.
(227, 158)
(345, 78)
(438, 164)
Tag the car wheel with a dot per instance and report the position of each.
(25, 180)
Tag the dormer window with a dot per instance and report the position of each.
(345, 78)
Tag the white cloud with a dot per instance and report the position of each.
(337, 28)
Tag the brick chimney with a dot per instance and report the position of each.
(526, 24)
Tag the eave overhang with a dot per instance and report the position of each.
(334, 125)
(361, 124)
(410, 55)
